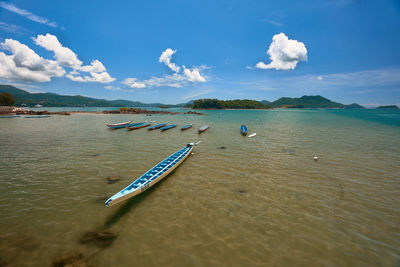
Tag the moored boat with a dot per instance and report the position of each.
(134, 127)
(167, 127)
(204, 128)
(37, 116)
(119, 125)
(152, 176)
(186, 127)
(158, 126)
(243, 129)
(9, 116)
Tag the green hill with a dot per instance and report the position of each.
(388, 107)
(310, 102)
(55, 100)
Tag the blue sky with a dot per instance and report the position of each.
(175, 51)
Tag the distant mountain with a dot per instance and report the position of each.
(388, 107)
(55, 100)
(265, 102)
(310, 102)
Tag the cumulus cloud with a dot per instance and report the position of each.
(27, 14)
(166, 57)
(65, 56)
(177, 79)
(24, 64)
(284, 53)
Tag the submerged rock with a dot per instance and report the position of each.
(73, 260)
(100, 239)
(113, 179)
(87, 237)
(104, 239)
(222, 147)
(242, 191)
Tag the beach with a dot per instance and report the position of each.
(237, 201)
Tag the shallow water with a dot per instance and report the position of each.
(259, 201)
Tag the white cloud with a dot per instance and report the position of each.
(177, 79)
(25, 65)
(67, 58)
(284, 53)
(166, 57)
(27, 14)
(133, 83)
(193, 75)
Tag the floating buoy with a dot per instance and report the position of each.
(192, 153)
(315, 158)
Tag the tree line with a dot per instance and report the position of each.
(228, 104)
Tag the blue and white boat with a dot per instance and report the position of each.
(167, 127)
(243, 129)
(9, 116)
(156, 126)
(152, 176)
(186, 127)
(37, 116)
(119, 125)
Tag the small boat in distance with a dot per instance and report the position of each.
(151, 177)
(38, 106)
(204, 128)
(10, 116)
(119, 125)
(252, 135)
(156, 126)
(243, 129)
(167, 127)
(37, 116)
(186, 127)
(134, 127)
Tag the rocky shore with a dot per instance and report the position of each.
(24, 111)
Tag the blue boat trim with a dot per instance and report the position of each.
(168, 127)
(156, 126)
(37, 116)
(143, 181)
(243, 129)
(10, 116)
(186, 127)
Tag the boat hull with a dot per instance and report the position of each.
(119, 125)
(243, 130)
(138, 126)
(157, 126)
(168, 127)
(146, 186)
(186, 127)
(204, 128)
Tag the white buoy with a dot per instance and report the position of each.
(252, 135)
(315, 158)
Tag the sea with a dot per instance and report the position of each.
(236, 201)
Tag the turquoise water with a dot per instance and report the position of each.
(259, 201)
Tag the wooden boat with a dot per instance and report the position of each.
(152, 176)
(167, 127)
(119, 125)
(134, 127)
(186, 127)
(243, 129)
(9, 116)
(204, 128)
(37, 116)
(156, 126)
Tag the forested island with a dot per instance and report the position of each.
(388, 107)
(284, 102)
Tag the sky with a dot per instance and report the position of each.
(178, 50)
